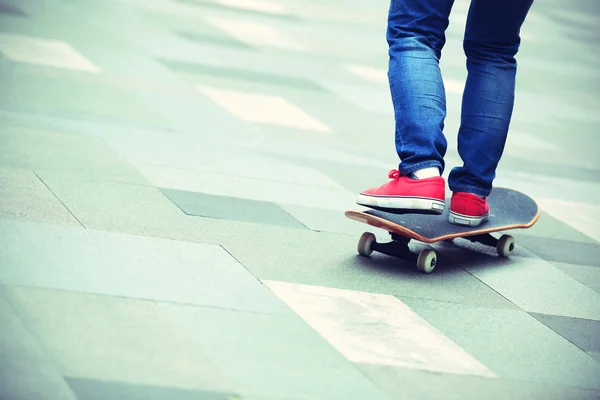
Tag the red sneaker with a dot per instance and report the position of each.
(468, 209)
(404, 193)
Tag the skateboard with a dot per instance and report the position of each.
(509, 209)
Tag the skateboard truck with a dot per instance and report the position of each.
(427, 258)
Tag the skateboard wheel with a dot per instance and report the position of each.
(505, 246)
(364, 244)
(426, 261)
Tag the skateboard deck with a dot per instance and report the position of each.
(509, 209)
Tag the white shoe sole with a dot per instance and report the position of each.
(465, 220)
(402, 203)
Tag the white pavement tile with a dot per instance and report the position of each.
(256, 34)
(454, 86)
(264, 109)
(40, 51)
(376, 329)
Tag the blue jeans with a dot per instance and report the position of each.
(415, 35)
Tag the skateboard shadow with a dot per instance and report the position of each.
(453, 257)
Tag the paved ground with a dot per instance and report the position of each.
(172, 180)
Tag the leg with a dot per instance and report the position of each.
(415, 35)
(491, 43)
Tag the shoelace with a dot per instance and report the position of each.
(394, 174)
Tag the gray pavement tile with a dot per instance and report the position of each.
(533, 284)
(68, 97)
(232, 73)
(114, 339)
(561, 250)
(75, 154)
(90, 389)
(511, 343)
(354, 178)
(544, 187)
(24, 196)
(587, 275)
(273, 355)
(551, 169)
(11, 10)
(232, 208)
(125, 208)
(218, 40)
(203, 4)
(275, 191)
(402, 383)
(26, 371)
(39, 255)
(550, 229)
(326, 259)
(584, 333)
(595, 354)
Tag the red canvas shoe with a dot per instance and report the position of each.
(468, 209)
(404, 193)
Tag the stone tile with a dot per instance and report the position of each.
(42, 51)
(322, 220)
(26, 371)
(262, 108)
(586, 275)
(68, 153)
(125, 208)
(326, 259)
(403, 383)
(290, 361)
(560, 250)
(581, 216)
(24, 196)
(369, 99)
(595, 354)
(232, 208)
(376, 329)
(242, 74)
(511, 343)
(129, 266)
(581, 332)
(178, 154)
(535, 285)
(272, 10)
(89, 389)
(248, 187)
(546, 187)
(256, 34)
(221, 40)
(115, 339)
(549, 227)
(73, 98)
(12, 10)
